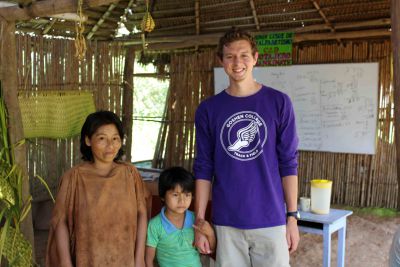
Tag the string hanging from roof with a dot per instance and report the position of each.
(80, 42)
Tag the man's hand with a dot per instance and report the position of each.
(201, 243)
(292, 234)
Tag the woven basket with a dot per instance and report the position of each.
(54, 114)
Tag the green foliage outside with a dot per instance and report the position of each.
(377, 212)
(148, 108)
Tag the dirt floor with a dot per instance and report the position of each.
(368, 243)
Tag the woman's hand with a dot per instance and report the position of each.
(201, 243)
(203, 227)
(202, 231)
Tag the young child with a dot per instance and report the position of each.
(170, 234)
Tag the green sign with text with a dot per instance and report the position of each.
(275, 49)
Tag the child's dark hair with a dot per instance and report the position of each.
(172, 177)
(232, 35)
(93, 122)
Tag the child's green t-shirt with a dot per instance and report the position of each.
(174, 247)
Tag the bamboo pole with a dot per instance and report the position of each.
(395, 16)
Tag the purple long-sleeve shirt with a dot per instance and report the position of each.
(244, 146)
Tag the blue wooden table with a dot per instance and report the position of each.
(325, 225)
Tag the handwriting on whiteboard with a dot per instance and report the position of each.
(335, 104)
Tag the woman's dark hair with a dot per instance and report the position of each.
(172, 177)
(93, 122)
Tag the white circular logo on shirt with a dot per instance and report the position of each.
(243, 135)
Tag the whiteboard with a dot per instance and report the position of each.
(335, 104)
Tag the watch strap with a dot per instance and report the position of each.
(294, 214)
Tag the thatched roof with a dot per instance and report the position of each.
(181, 23)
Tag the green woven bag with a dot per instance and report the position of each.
(54, 114)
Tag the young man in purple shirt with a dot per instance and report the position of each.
(247, 148)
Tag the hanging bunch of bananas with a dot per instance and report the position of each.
(148, 23)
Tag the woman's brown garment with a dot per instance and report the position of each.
(101, 216)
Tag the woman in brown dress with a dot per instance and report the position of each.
(99, 218)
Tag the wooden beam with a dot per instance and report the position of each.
(153, 75)
(179, 42)
(70, 17)
(101, 20)
(226, 20)
(341, 26)
(213, 38)
(395, 15)
(197, 16)
(175, 27)
(168, 19)
(127, 108)
(287, 13)
(158, 13)
(340, 35)
(47, 8)
(188, 9)
(231, 20)
(322, 14)
(222, 5)
(95, 15)
(197, 19)
(248, 27)
(311, 28)
(253, 10)
(10, 86)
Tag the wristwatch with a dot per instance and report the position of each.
(295, 214)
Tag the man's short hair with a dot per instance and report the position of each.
(232, 35)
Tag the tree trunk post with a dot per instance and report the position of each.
(127, 108)
(395, 17)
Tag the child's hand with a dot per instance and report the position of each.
(203, 227)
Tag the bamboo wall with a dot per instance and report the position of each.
(44, 64)
(50, 64)
(191, 81)
(358, 180)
